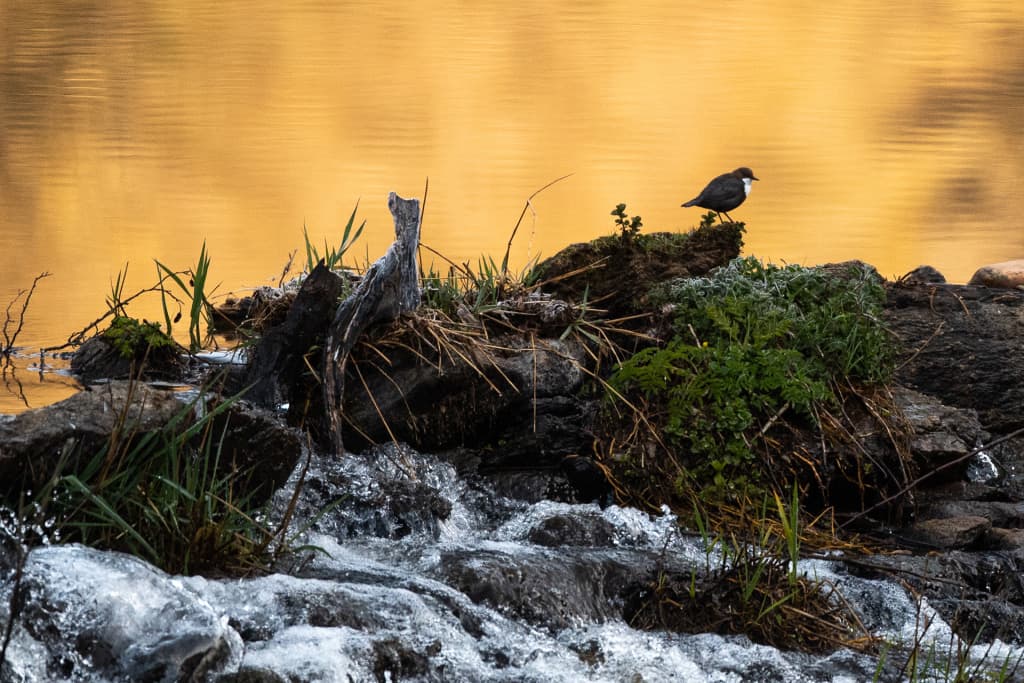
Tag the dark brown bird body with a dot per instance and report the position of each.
(726, 192)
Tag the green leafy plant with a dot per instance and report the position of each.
(790, 521)
(200, 309)
(832, 320)
(167, 497)
(628, 226)
(708, 220)
(751, 343)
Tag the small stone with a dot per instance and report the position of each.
(1007, 539)
(923, 275)
(953, 532)
(1006, 275)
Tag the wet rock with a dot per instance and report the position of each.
(388, 492)
(396, 662)
(951, 532)
(90, 615)
(255, 441)
(581, 586)
(32, 443)
(252, 675)
(941, 436)
(580, 530)
(588, 481)
(982, 620)
(1006, 539)
(1006, 275)
(954, 579)
(71, 432)
(1000, 514)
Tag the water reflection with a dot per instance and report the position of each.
(130, 131)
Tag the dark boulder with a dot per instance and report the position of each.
(964, 345)
(61, 438)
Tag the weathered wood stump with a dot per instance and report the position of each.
(389, 288)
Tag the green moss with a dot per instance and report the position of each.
(132, 338)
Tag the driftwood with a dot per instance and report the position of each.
(389, 288)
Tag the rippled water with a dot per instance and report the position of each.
(132, 131)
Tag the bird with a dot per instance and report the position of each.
(726, 192)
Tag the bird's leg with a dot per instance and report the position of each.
(727, 216)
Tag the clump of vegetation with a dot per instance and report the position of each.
(167, 497)
(332, 256)
(754, 588)
(628, 226)
(476, 290)
(708, 220)
(751, 344)
(832, 320)
(134, 340)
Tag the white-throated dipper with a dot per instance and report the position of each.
(726, 192)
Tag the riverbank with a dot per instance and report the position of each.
(898, 462)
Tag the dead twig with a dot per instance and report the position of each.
(528, 206)
(11, 336)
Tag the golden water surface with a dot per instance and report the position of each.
(136, 130)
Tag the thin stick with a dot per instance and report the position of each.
(526, 206)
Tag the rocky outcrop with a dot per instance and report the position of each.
(615, 274)
(40, 444)
(964, 345)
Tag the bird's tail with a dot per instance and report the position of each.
(692, 202)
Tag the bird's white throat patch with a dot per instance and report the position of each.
(747, 184)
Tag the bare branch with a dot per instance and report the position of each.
(11, 337)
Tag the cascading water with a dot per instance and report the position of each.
(419, 575)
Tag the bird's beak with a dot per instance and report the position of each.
(754, 177)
